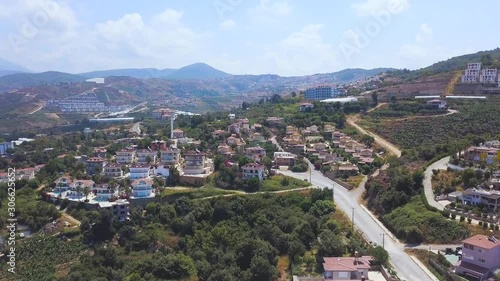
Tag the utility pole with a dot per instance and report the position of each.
(310, 175)
(383, 240)
(333, 190)
(353, 218)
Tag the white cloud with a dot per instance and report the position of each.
(131, 40)
(371, 7)
(417, 49)
(424, 33)
(227, 24)
(269, 11)
(301, 52)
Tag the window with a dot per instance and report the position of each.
(481, 260)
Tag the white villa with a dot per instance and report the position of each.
(142, 188)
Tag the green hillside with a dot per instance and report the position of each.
(487, 58)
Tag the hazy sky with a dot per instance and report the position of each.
(286, 37)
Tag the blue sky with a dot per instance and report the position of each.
(286, 37)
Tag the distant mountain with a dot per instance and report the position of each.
(199, 71)
(7, 68)
(139, 73)
(20, 80)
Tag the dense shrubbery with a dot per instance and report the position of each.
(415, 224)
(404, 211)
(236, 238)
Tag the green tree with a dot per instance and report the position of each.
(262, 270)
(379, 254)
(173, 176)
(268, 163)
(218, 160)
(330, 245)
(374, 98)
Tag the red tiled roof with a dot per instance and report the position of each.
(346, 264)
(148, 181)
(482, 241)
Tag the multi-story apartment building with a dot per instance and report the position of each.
(253, 171)
(125, 156)
(319, 93)
(480, 256)
(488, 75)
(170, 156)
(113, 170)
(471, 73)
(475, 196)
(146, 156)
(4, 146)
(138, 171)
(119, 208)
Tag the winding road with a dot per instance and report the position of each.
(408, 268)
(372, 229)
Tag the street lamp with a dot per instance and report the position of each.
(333, 191)
(383, 240)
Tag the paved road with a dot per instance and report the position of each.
(429, 194)
(406, 267)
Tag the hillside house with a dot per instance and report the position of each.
(142, 188)
(196, 163)
(125, 156)
(284, 159)
(113, 170)
(253, 171)
(346, 268)
(100, 152)
(138, 171)
(480, 255)
(257, 154)
(146, 156)
(437, 103)
(306, 107)
(119, 209)
(105, 191)
(170, 156)
(178, 134)
(95, 165)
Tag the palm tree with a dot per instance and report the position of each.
(86, 191)
(128, 191)
(79, 189)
